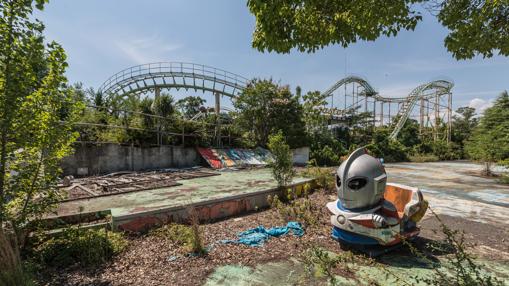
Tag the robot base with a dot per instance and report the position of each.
(361, 243)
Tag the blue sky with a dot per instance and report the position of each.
(103, 37)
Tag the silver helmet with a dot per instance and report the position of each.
(360, 180)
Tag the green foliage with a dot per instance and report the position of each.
(282, 163)
(85, 247)
(446, 151)
(463, 123)
(297, 206)
(476, 27)
(408, 135)
(188, 237)
(196, 243)
(264, 108)
(179, 234)
(490, 141)
(319, 262)
(504, 179)
(163, 105)
(190, 106)
(311, 25)
(422, 158)
(325, 148)
(460, 267)
(37, 111)
(323, 176)
(389, 150)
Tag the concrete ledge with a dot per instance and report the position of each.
(207, 211)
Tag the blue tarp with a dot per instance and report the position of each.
(257, 236)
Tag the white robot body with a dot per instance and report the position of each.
(370, 211)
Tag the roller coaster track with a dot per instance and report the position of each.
(440, 87)
(166, 75)
(370, 91)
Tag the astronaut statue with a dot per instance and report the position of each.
(370, 211)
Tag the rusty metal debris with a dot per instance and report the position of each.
(124, 182)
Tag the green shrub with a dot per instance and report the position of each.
(86, 247)
(189, 237)
(326, 150)
(421, 158)
(446, 151)
(504, 179)
(319, 262)
(177, 233)
(323, 176)
(282, 164)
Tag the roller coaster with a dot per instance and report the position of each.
(167, 75)
(434, 98)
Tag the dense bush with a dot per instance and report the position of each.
(326, 150)
(86, 247)
(446, 151)
(389, 150)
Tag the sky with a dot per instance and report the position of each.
(104, 37)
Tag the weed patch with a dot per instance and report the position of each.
(189, 237)
(296, 208)
(85, 247)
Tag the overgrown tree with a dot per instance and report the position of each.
(190, 106)
(325, 148)
(476, 27)
(463, 123)
(264, 108)
(37, 111)
(490, 139)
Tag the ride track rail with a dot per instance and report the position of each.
(148, 77)
(438, 88)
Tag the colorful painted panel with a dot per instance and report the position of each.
(232, 157)
(210, 157)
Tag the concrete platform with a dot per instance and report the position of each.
(456, 189)
(230, 193)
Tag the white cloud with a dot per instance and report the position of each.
(146, 50)
(480, 104)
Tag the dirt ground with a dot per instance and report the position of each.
(152, 260)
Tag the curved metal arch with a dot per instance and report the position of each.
(440, 86)
(370, 91)
(147, 77)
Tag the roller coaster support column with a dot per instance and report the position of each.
(374, 114)
(157, 93)
(437, 117)
(449, 122)
(218, 119)
(421, 117)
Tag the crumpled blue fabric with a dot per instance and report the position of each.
(257, 236)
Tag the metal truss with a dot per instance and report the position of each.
(166, 75)
(429, 92)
